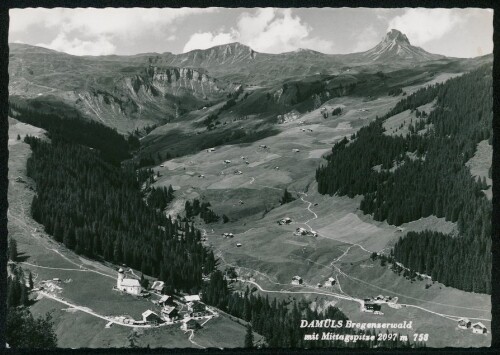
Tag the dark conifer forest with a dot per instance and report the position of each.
(434, 180)
(98, 210)
(73, 128)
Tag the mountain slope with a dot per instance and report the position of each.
(130, 92)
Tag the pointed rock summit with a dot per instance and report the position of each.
(396, 36)
(395, 46)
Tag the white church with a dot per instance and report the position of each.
(131, 286)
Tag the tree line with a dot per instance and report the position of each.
(112, 146)
(432, 181)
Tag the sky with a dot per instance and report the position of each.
(461, 33)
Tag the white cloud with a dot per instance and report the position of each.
(207, 39)
(425, 25)
(267, 30)
(78, 28)
(97, 46)
(366, 39)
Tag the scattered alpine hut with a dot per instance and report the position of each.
(131, 286)
(190, 325)
(371, 307)
(330, 282)
(169, 313)
(286, 220)
(150, 317)
(210, 150)
(479, 328)
(464, 323)
(228, 235)
(301, 231)
(157, 286)
(297, 280)
(227, 161)
(295, 150)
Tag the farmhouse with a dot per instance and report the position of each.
(131, 286)
(191, 298)
(464, 323)
(157, 286)
(190, 325)
(297, 280)
(372, 307)
(197, 309)
(479, 328)
(169, 313)
(151, 317)
(166, 300)
(330, 282)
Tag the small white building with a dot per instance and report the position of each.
(210, 150)
(479, 328)
(295, 150)
(297, 280)
(464, 323)
(131, 286)
(238, 245)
